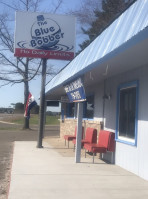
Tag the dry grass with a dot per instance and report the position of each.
(11, 117)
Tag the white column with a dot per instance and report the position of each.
(79, 132)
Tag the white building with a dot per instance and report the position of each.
(115, 72)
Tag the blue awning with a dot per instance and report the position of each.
(130, 24)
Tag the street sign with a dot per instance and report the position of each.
(40, 35)
(75, 91)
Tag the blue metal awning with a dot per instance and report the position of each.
(129, 25)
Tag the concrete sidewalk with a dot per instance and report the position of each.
(45, 174)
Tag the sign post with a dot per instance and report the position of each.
(79, 132)
(42, 104)
(45, 36)
(76, 93)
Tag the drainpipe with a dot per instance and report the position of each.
(104, 92)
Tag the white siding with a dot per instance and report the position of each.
(98, 111)
(134, 159)
(143, 149)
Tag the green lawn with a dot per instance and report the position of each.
(50, 120)
(34, 119)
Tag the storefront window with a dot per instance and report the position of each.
(127, 113)
(88, 109)
(70, 110)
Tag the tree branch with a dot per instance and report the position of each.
(8, 60)
(58, 5)
(8, 5)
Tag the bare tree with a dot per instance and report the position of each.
(95, 15)
(18, 70)
(85, 12)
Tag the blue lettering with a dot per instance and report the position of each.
(43, 31)
(41, 23)
(37, 32)
(45, 40)
(51, 38)
(52, 29)
(62, 35)
(57, 37)
(40, 42)
(33, 43)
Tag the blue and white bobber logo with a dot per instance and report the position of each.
(45, 33)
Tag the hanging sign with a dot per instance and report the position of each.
(64, 99)
(75, 91)
(40, 35)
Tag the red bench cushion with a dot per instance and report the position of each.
(111, 144)
(90, 136)
(104, 138)
(69, 137)
(106, 142)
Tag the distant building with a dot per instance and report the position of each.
(7, 110)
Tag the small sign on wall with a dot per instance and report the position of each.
(40, 35)
(75, 91)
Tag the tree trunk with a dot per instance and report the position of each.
(26, 93)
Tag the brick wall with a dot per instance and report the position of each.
(68, 126)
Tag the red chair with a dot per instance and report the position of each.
(90, 137)
(106, 142)
(72, 137)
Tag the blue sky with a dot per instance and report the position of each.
(13, 94)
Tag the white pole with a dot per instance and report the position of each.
(79, 132)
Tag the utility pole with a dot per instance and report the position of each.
(42, 104)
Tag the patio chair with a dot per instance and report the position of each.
(72, 137)
(90, 137)
(106, 142)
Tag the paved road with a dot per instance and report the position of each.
(7, 138)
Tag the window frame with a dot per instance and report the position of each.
(68, 111)
(122, 139)
(85, 108)
(75, 111)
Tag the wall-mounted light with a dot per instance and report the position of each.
(107, 97)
